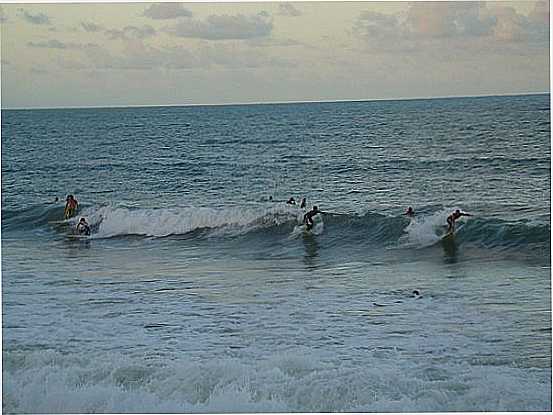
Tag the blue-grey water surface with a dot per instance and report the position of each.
(199, 292)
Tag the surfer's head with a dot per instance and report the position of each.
(315, 208)
(82, 220)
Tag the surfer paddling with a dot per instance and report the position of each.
(410, 212)
(453, 217)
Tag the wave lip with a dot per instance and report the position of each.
(181, 221)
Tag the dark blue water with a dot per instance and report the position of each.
(198, 291)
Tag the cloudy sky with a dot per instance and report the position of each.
(105, 54)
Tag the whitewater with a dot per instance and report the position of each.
(199, 290)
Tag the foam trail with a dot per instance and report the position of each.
(425, 231)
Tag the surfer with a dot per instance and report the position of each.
(308, 217)
(410, 212)
(453, 217)
(303, 203)
(71, 206)
(83, 228)
(291, 201)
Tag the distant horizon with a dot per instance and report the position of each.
(514, 94)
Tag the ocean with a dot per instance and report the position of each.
(198, 290)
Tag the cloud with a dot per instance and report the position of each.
(223, 27)
(71, 64)
(37, 19)
(38, 71)
(91, 27)
(3, 17)
(131, 32)
(236, 57)
(540, 13)
(162, 11)
(514, 27)
(288, 9)
(268, 42)
(450, 23)
(448, 19)
(376, 25)
(56, 44)
(138, 56)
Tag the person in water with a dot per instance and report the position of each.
(303, 203)
(410, 212)
(71, 206)
(308, 217)
(453, 217)
(291, 201)
(83, 228)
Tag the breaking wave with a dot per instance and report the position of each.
(370, 228)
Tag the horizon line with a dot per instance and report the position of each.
(121, 106)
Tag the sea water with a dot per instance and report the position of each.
(198, 292)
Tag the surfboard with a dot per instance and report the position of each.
(450, 235)
(83, 237)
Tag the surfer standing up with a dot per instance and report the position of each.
(71, 206)
(308, 217)
(453, 217)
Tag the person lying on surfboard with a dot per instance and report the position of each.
(452, 218)
(83, 228)
(308, 217)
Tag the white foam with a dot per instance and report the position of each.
(425, 231)
(116, 221)
(317, 229)
(300, 380)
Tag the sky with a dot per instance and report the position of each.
(119, 54)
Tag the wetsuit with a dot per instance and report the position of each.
(83, 229)
(308, 218)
